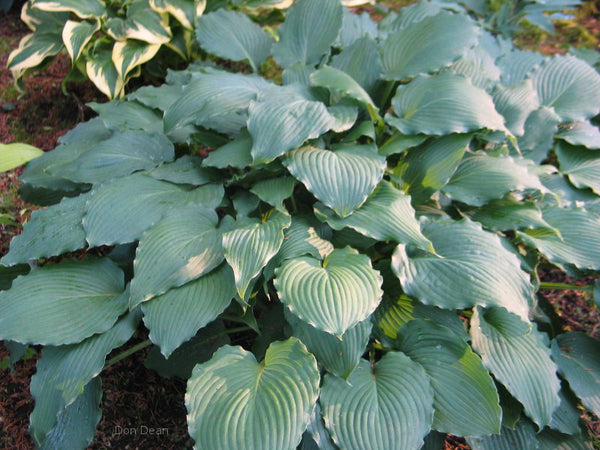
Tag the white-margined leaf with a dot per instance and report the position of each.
(33, 49)
(298, 41)
(194, 249)
(515, 352)
(427, 45)
(465, 397)
(388, 405)
(146, 25)
(129, 54)
(580, 164)
(387, 215)
(581, 133)
(102, 72)
(84, 9)
(185, 11)
(86, 295)
(16, 154)
(175, 316)
(232, 35)
(472, 268)
(76, 36)
(271, 401)
(342, 178)
(419, 107)
(333, 294)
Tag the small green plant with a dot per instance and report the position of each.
(347, 259)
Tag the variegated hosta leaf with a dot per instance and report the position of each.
(578, 243)
(175, 316)
(16, 154)
(419, 107)
(33, 49)
(580, 164)
(388, 405)
(185, 11)
(472, 268)
(249, 248)
(578, 361)
(337, 356)
(147, 25)
(333, 294)
(465, 397)
(84, 9)
(570, 86)
(298, 41)
(102, 72)
(232, 35)
(427, 45)
(515, 352)
(87, 295)
(76, 36)
(235, 402)
(129, 54)
(194, 249)
(387, 215)
(342, 178)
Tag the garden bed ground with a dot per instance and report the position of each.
(140, 408)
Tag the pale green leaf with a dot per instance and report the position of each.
(76, 35)
(472, 268)
(342, 178)
(16, 154)
(298, 41)
(86, 295)
(176, 316)
(271, 401)
(332, 295)
(581, 165)
(81, 8)
(387, 406)
(465, 397)
(129, 54)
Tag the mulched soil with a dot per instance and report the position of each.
(137, 400)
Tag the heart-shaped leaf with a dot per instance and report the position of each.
(581, 165)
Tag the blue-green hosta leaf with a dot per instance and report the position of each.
(86, 295)
(50, 232)
(338, 80)
(419, 107)
(298, 41)
(407, 15)
(234, 154)
(343, 178)
(577, 358)
(344, 115)
(581, 165)
(428, 167)
(515, 352)
(522, 436)
(129, 54)
(157, 97)
(119, 212)
(274, 191)
(387, 215)
(101, 71)
(194, 249)
(282, 124)
(510, 214)
(33, 49)
(384, 406)
(517, 65)
(316, 436)
(473, 268)
(76, 36)
(232, 35)
(567, 416)
(570, 86)
(581, 133)
(84, 9)
(175, 316)
(554, 440)
(579, 240)
(271, 401)
(185, 170)
(539, 130)
(361, 61)
(567, 194)
(516, 103)
(465, 397)
(477, 65)
(337, 356)
(427, 45)
(121, 115)
(332, 295)
(355, 27)
(248, 249)
(481, 178)
(76, 424)
(16, 154)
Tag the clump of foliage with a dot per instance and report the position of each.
(370, 231)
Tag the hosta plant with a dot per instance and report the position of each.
(345, 259)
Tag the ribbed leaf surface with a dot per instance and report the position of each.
(515, 103)
(514, 351)
(129, 54)
(465, 398)
(341, 179)
(427, 45)
(248, 249)
(386, 216)
(234, 402)
(339, 80)
(581, 165)
(298, 41)
(76, 35)
(578, 358)
(385, 407)
(516, 65)
(332, 295)
(570, 86)
(232, 35)
(86, 295)
(419, 107)
(522, 437)
(473, 268)
(185, 170)
(101, 70)
(581, 133)
(194, 249)
(509, 214)
(32, 51)
(338, 356)
(554, 440)
(361, 61)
